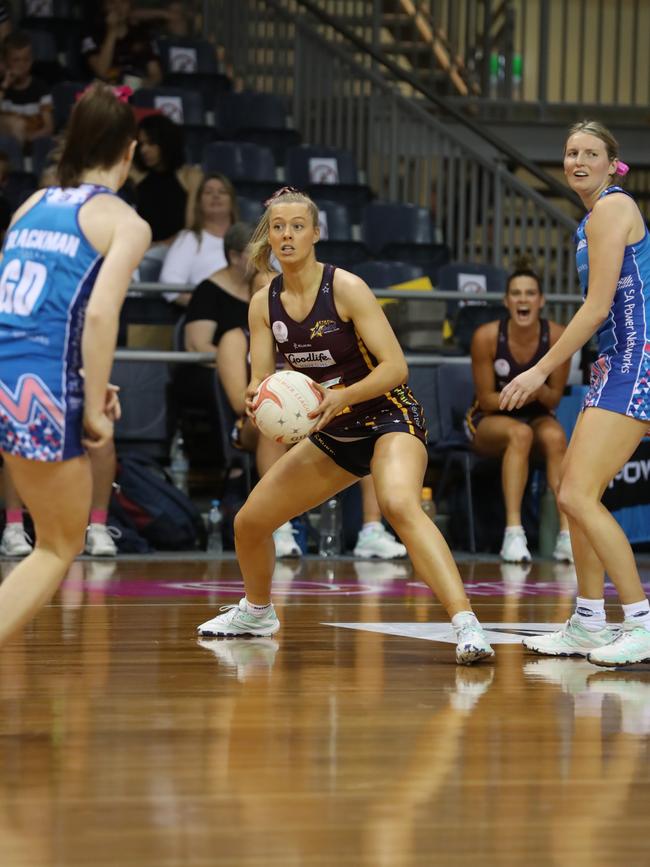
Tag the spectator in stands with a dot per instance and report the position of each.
(175, 19)
(221, 301)
(25, 101)
(198, 253)
(118, 48)
(500, 351)
(165, 186)
(5, 21)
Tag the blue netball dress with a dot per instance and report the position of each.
(47, 273)
(620, 376)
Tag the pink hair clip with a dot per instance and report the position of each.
(123, 92)
(279, 193)
(622, 168)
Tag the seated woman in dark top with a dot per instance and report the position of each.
(221, 302)
(165, 187)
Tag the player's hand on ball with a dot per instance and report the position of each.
(518, 392)
(334, 401)
(251, 392)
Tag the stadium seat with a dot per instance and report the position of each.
(387, 223)
(249, 166)
(336, 220)
(470, 317)
(455, 391)
(187, 55)
(182, 106)
(260, 118)
(381, 275)
(42, 148)
(64, 94)
(18, 187)
(250, 210)
(470, 280)
(328, 173)
(14, 151)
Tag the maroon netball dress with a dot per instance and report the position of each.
(332, 353)
(506, 368)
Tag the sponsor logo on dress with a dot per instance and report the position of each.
(322, 327)
(280, 331)
(581, 245)
(501, 367)
(311, 359)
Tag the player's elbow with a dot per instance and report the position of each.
(401, 371)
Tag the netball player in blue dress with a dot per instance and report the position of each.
(328, 324)
(66, 264)
(613, 258)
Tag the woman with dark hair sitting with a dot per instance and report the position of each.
(198, 252)
(165, 186)
(500, 351)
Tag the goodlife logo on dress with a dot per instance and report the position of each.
(311, 359)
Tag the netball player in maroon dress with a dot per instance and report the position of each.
(328, 324)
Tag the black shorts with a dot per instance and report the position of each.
(525, 415)
(355, 454)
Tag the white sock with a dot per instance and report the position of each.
(515, 528)
(458, 619)
(258, 610)
(372, 525)
(638, 613)
(591, 613)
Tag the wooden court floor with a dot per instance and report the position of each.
(351, 738)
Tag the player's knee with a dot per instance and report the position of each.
(397, 507)
(521, 437)
(570, 498)
(554, 441)
(250, 523)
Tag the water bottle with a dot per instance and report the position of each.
(178, 464)
(428, 506)
(215, 520)
(517, 76)
(330, 529)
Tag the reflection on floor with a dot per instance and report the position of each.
(344, 740)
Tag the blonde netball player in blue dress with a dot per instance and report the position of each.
(328, 324)
(66, 265)
(613, 259)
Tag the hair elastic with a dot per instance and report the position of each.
(622, 168)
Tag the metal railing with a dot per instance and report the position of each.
(336, 98)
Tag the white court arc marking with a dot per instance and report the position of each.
(497, 633)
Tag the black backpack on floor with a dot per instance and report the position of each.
(147, 500)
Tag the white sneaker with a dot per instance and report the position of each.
(570, 675)
(236, 620)
(562, 551)
(471, 684)
(572, 640)
(100, 540)
(630, 647)
(515, 548)
(285, 543)
(472, 644)
(15, 541)
(633, 693)
(378, 542)
(250, 657)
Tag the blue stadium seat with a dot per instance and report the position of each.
(187, 55)
(14, 151)
(182, 106)
(249, 166)
(44, 48)
(380, 275)
(310, 168)
(339, 226)
(42, 148)
(250, 210)
(386, 223)
(260, 118)
(64, 94)
(470, 279)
